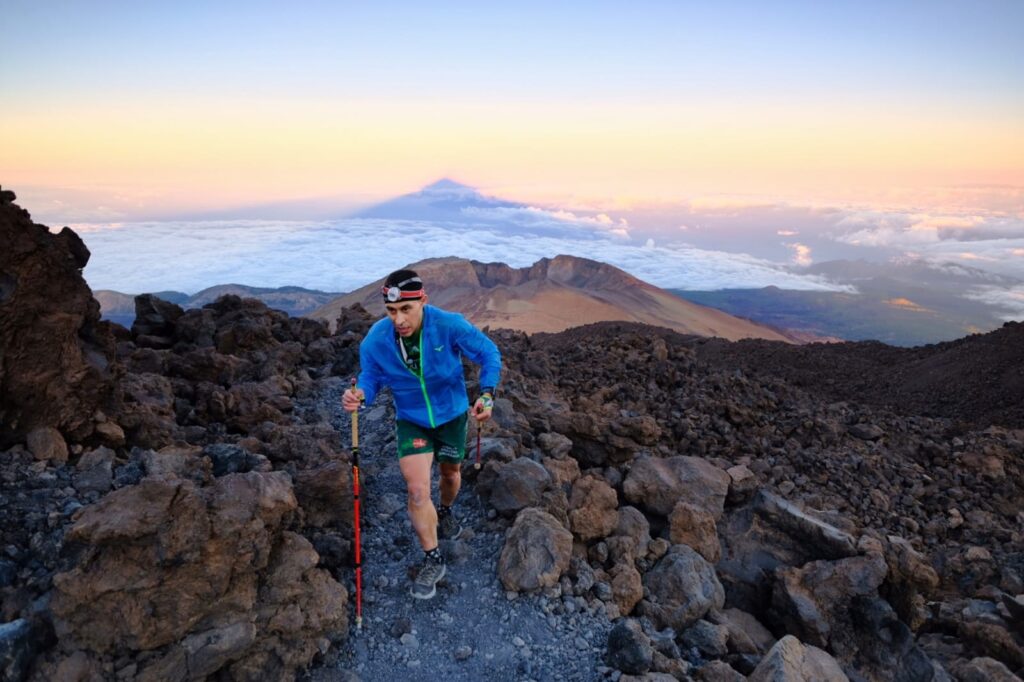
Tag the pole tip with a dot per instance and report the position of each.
(359, 622)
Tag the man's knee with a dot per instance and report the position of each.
(450, 474)
(419, 493)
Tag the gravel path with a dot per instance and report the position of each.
(472, 629)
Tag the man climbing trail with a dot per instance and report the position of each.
(417, 352)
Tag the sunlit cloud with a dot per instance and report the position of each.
(801, 253)
(906, 304)
(786, 233)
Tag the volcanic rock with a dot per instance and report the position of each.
(20, 641)
(325, 494)
(746, 634)
(210, 561)
(742, 483)
(536, 552)
(95, 471)
(792, 661)
(554, 445)
(709, 639)
(629, 648)
(693, 526)
(56, 365)
(718, 671)
(809, 600)
(635, 526)
(564, 472)
(154, 321)
(592, 509)
(984, 669)
(658, 484)
(683, 588)
(627, 587)
(46, 443)
(519, 484)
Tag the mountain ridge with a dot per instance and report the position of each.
(554, 294)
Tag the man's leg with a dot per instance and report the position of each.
(451, 481)
(416, 470)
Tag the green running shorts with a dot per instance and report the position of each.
(447, 441)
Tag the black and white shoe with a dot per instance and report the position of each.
(424, 586)
(448, 527)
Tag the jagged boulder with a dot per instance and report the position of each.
(658, 484)
(693, 526)
(635, 526)
(983, 669)
(769, 533)
(746, 634)
(810, 599)
(792, 661)
(537, 551)
(519, 484)
(593, 508)
(683, 587)
(56, 356)
(20, 642)
(629, 648)
(325, 494)
(202, 575)
(627, 587)
(154, 325)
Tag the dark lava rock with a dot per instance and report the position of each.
(20, 642)
(629, 648)
(231, 459)
(50, 333)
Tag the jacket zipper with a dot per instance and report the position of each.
(423, 383)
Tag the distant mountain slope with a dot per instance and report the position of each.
(907, 303)
(119, 307)
(552, 295)
(978, 379)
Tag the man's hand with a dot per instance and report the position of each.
(482, 408)
(352, 399)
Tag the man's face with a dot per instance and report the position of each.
(407, 316)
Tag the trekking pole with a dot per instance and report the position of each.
(355, 504)
(479, 428)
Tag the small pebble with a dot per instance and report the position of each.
(463, 652)
(518, 641)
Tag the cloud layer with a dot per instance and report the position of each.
(346, 254)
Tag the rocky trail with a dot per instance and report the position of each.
(472, 629)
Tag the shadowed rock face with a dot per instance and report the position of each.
(55, 354)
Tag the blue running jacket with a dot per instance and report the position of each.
(439, 395)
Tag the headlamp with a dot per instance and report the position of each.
(395, 293)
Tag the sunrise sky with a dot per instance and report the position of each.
(126, 110)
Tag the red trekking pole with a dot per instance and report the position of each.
(355, 504)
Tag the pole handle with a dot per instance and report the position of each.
(355, 421)
(479, 430)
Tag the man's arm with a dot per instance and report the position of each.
(370, 374)
(475, 345)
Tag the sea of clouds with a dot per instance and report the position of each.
(342, 255)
